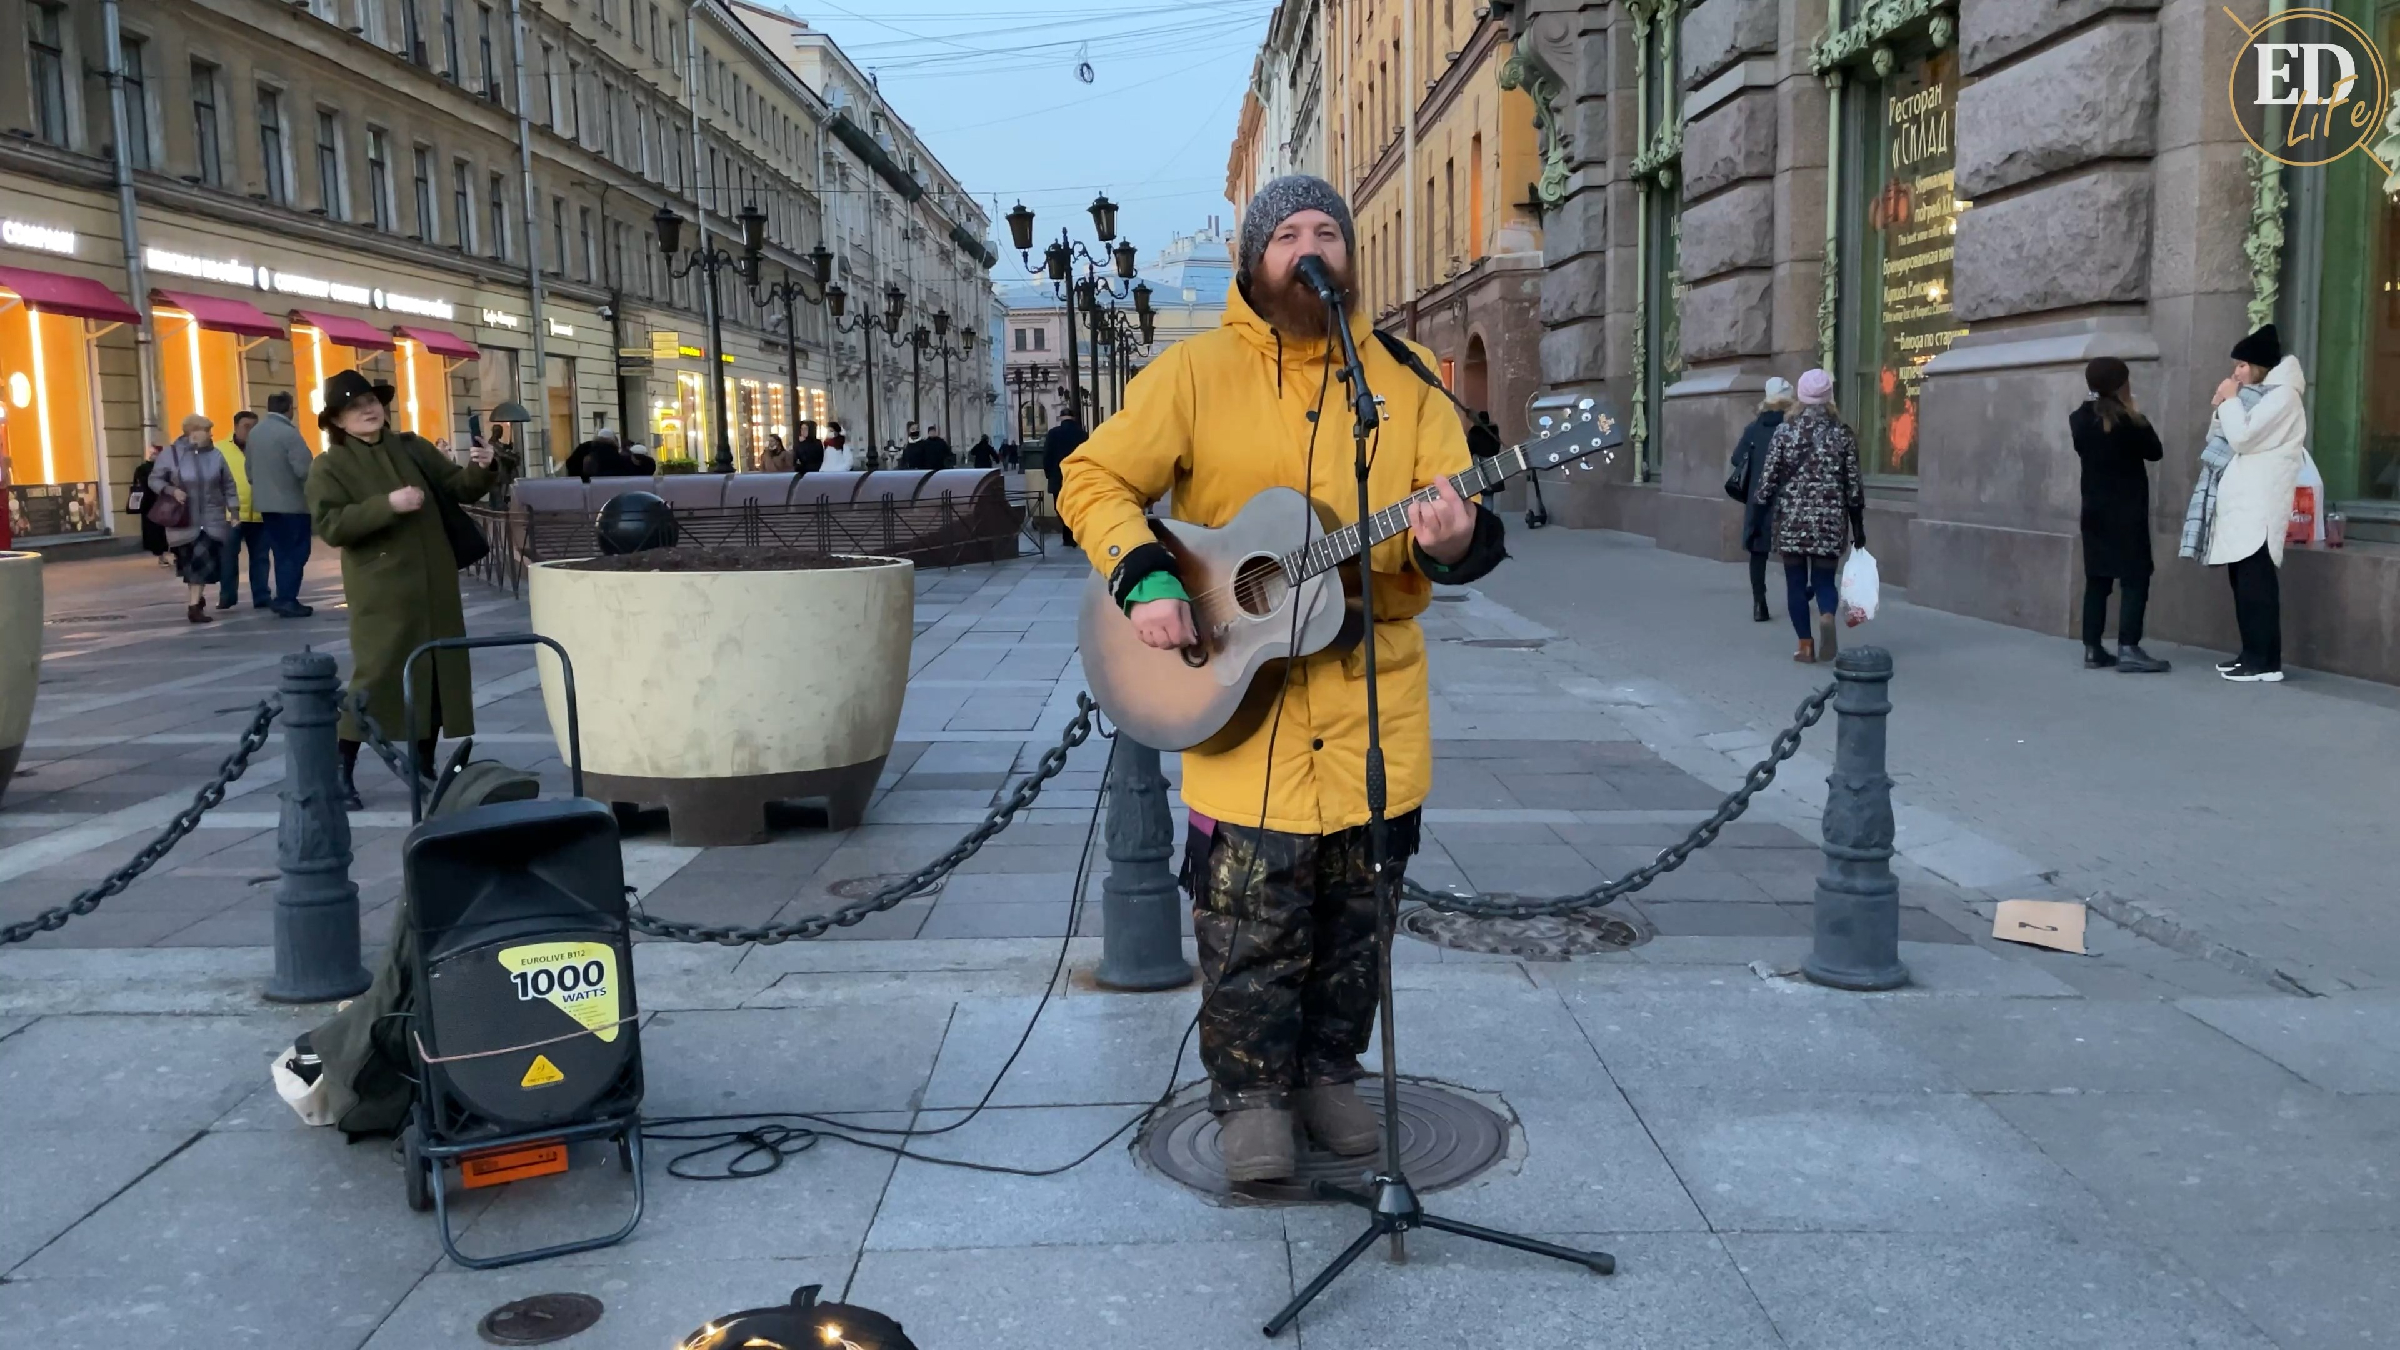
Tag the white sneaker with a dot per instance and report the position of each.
(2252, 675)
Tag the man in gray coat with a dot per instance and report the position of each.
(278, 459)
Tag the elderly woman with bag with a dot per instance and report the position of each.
(193, 497)
(1812, 483)
(388, 500)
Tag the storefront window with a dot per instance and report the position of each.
(424, 403)
(317, 358)
(776, 402)
(47, 430)
(202, 371)
(1904, 223)
(2354, 384)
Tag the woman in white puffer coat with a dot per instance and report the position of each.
(2254, 501)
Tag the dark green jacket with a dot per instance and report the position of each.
(398, 574)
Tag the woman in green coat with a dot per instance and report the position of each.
(370, 496)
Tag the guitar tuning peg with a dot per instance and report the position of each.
(1554, 459)
(1584, 404)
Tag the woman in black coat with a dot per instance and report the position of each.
(1741, 484)
(2115, 443)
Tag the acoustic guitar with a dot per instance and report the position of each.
(1273, 583)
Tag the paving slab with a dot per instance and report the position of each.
(2342, 1044)
(1893, 1291)
(1750, 1040)
(1670, 1289)
(1483, 1025)
(1823, 1161)
(2072, 1045)
(161, 1073)
(2309, 1291)
(165, 1303)
(837, 1058)
(1089, 1050)
(1105, 1202)
(1164, 1296)
(648, 1304)
(2225, 1160)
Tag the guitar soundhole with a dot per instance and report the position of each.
(1258, 586)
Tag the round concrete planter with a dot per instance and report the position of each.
(20, 654)
(714, 693)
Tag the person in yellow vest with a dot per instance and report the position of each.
(250, 536)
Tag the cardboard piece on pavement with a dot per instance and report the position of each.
(2056, 924)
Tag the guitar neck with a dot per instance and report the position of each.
(1332, 550)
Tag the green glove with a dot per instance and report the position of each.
(1156, 586)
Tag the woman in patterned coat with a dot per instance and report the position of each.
(1811, 482)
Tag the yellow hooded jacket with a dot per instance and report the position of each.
(1216, 419)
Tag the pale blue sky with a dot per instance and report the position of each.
(993, 87)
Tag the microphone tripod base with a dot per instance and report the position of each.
(1392, 1210)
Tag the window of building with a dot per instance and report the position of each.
(657, 52)
(641, 137)
(549, 86)
(412, 31)
(558, 234)
(462, 208)
(583, 238)
(46, 57)
(379, 178)
(329, 164)
(1020, 339)
(426, 227)
(608, 123)
(137, 99)
(207, 146)
(450, 66)
(2338, 307)
(575, 99)
(499, 203)
(1041, 339)
(271, 145)
(484, 54)
(1899, 219)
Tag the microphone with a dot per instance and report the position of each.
(1311, 271)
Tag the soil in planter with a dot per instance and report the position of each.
(721, 560)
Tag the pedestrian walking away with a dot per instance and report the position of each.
(277, 460)
(1811, 482)
(2116, 445)
(2267, 440)
(1058, 443)
(371, 496)
(1284, 903)
(1743, 477)
(249, 532)
(191, 473)
(981, 455)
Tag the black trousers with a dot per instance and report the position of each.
(1758, 577)
(2129, 613)
(2258, 609)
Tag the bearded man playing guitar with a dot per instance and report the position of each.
(1284, 905)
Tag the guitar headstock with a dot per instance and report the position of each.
(1588, 430)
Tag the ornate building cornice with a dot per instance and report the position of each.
(1866, 41)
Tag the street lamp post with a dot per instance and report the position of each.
(1121, 335)
(1058, 268)
(789, 293)
(837, 300)
(966, 345)
(711, 261)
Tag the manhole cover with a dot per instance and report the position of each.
(1544, 938)
(64, 619)
(539, 1320)
(859, 888)
(1445, 1138)
(1505, 644)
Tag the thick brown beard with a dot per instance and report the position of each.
(1294, 309)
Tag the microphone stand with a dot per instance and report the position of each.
(1392, 1208)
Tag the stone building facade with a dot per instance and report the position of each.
(1952, 205)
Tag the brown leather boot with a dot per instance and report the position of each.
(1807, 655)
(1257, 1144)
(1338, 1119)
(198, 613)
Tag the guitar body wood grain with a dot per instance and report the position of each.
(1244, 612)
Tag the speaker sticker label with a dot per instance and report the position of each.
(577, 978)
(541, 1073)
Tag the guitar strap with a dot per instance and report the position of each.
(1482, 441)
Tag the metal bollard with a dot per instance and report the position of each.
(316, 906)
(1858, 898)
(1141, 946)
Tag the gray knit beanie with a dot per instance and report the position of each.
(1278, 202)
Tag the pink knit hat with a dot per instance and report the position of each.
(1816, 387)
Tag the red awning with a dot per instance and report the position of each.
(223, 316)
(55, 293)
(346, 332)
(438, 342)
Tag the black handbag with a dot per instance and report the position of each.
(467, 543)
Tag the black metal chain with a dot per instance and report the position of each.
(371, 734)
(206, 799)
(1053, 761)
(1507, 905)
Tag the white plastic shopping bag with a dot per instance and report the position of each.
(1860, 581)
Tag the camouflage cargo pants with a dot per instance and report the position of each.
(1286, 925)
